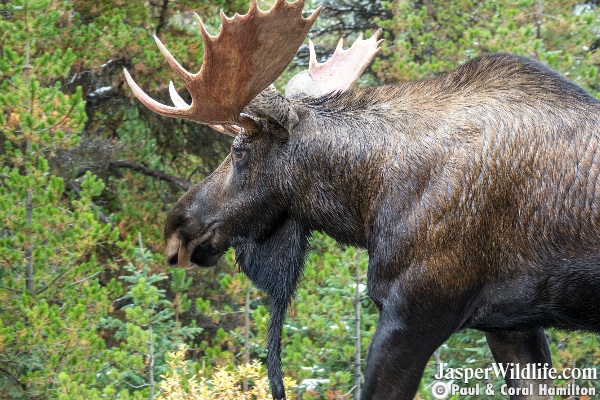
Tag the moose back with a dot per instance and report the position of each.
(476, 194)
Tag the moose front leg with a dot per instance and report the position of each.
(412, 325)
(397, 358)
(524, 348)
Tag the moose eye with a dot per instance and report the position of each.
(240, 156)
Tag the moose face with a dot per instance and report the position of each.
(238, 202)
(243, 200)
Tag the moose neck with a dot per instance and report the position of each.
(354, 148)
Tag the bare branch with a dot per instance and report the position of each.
(179, 182)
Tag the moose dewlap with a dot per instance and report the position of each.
(476, 194)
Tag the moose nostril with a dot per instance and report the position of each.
(172, 260)
(172, 249)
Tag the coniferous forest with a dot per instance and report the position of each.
(89, 308)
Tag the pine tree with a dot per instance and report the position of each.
(49, 287)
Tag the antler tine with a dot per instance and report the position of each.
(152, 104)
(183, 74)
(175, 97)
(312, 59)
(315, 13)
(205, 35)
(377, 34)
(340, 45)
(224, 17)
(229, 130)
(247, 55)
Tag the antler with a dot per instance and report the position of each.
(344, 68)
(247, 55)
(337, 74)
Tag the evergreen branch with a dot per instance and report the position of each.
(10, 289)
(64, 118)
(77, 189)
(60, 275)
(179, 182)
(20, 384)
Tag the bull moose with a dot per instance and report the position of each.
(476, 194)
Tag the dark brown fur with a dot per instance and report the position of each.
(475, 194)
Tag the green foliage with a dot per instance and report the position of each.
(149, 329)
(51, 296)
(430, 38)
(228, 345)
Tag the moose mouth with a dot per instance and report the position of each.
(206, 255)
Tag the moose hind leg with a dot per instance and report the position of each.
(528, 347)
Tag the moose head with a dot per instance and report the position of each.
(245, 199)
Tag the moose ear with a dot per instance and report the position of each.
(270, 103)
(302, 85)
